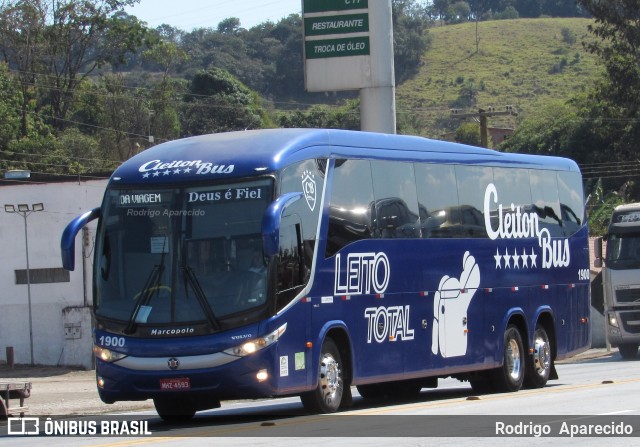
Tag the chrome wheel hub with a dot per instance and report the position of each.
(330, 378)
(513, 360)
(541, 356)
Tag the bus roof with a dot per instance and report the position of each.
(247, 153)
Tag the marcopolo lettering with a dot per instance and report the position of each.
(175, 331)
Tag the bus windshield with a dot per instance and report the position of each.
(182, 255)
(623, 251)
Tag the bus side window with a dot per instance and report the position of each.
(472, 182)
(571, 201)
(396, 200)
(513, 187)
(544, 191)
(437, 200)
(351, 213)
(291, 271)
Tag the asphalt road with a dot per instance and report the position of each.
(596, 389)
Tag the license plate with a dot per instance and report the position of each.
(174, 384)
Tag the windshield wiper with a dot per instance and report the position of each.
(149, 288)
(202, 298)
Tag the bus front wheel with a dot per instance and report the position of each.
(510, 376)
(327, 396)
(174, 409)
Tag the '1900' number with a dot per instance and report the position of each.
(111, 341)
(583, 274)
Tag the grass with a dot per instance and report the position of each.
(522, 63)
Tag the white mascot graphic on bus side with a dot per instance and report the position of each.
(450, 306)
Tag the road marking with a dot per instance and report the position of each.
(229, 431)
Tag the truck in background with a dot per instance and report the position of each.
(621, 279)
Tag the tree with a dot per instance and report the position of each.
(468, 133)
(56, 44)
(218, 102)
(229, 26)
(617, 96)
(325, 117)
(21, 32)
(567, 129)
(9, 106)
(410, 37)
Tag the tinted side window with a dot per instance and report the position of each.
(307, 178)
(472, 182)
(351, 211)
(299, 227)
(571, 201)
(513, 187)
(396, 201)
(544, 191)
(437, 198)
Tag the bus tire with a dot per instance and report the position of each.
(327, 396)
(174, 410)
(540, 362)
(510, 375)
(628, 351)
(371, 391)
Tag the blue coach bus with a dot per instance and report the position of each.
(304, 262)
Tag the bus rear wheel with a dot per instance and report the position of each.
(327, 396)
(510, 375)
(540, 362)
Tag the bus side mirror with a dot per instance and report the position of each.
(597, 252)
(271, 222)
(68, 241)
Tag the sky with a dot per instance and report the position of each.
(189, 14)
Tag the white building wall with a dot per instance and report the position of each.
(62, 333)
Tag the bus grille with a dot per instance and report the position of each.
(628, 296)
(631, 322)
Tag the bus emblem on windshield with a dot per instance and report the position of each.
(309, 189)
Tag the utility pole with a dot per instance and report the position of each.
(482, 115)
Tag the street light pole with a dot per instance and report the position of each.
(25, 211)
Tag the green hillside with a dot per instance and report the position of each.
(523, 63)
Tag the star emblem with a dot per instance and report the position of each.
(516, 259)
(525, 259)
(167, 172)
(498, 258)
(507, 259)
(177, 171)
(145, 175)
(533, 257)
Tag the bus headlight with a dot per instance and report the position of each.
(613, 321)
(252, 346)
(107, 355)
